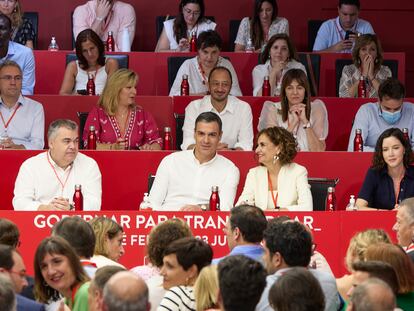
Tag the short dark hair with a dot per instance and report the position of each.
(89, 35)
(217, 68)
(297, 289)
(250, 220)
(280, 36)
(378, 269)
(391, 88)
(241, 282)
(9, 233)
(350, 2)
(6, 257)
(209, 117)
(291, 240)
(103, 274)
(8, 21)
(78, 233)
(209, 39)
(191, 251)
(284, 139)
(57, 124)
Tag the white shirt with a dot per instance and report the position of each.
(102, 261)
(199, 83)
(236, 118)
(27, 127)
(37, 184)
(182, 180)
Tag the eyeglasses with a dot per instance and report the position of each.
(9, 78)
(9, 1)
(186, 11)
(21, 274)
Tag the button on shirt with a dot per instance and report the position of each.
(37, 184)
(182, 180)
(331, 32)
(371, 123)
(28, 124)
(236, 118)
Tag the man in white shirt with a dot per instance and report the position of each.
(22, 119)
(235, 114)
(46, 182)
(184, 179)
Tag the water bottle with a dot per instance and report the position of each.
(405, 133)
(185, 87)
(214, 199)
(351, 205)
(193, 42)
(167, 139)
(110, 42)
(249, 46)
(78, 198)
(90, 86)
(331, 200)
(266, 86)
(362, 89)
(92, 138)
(53, 46)
(145, 204)
(358, 141)
(126, 41)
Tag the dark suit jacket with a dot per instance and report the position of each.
(25, 304)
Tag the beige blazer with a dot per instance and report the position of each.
(293, 188)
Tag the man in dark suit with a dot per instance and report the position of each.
(12, 265)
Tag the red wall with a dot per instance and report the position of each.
(390, 19)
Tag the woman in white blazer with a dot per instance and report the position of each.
(278, 183)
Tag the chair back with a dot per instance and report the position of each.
(122, 59)
(313, 28)
(82, 116)
(312, 63)
(233, 29)
(179, 123)
(33, 17)
(319, 190)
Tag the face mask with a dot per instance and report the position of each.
(391, 117)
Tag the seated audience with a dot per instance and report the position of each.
(184, 179)
(7, 296)
(198, 68)
(390, 111)
(263, 25)
(177, 32)
(182, 262)
(288, 245)
(356, 253)
(297, 289)
(339, 34)
(390, 179)
(278, 57)
(235, 114)
(127, 292)
(206, 288)
(96, 287)
(241, 283)
(108, 247)
(103, 16)
(18, 53)
(59, 273)
(22, 28)
(47, 181)
(367, 62)
(23, 118)
(372, 295)
(306, 120)
(90, 52)
(120, 123)
(278, 182)
(404, 226)
(244, 232)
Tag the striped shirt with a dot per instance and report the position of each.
(178, 298)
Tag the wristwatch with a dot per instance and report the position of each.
(307, 125)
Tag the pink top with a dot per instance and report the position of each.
(122, 16)
(141, 128)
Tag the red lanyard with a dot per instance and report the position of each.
(274, 198)
(88, 263)
(202, 73)
(63, 184)
(339, 31)
(6, 124)
(74, 291)
(410, 247)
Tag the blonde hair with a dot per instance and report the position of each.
(109, 98)
(360, 242)
(104, 228)
(16, 16)
(206, 288)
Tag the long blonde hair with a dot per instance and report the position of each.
(16, 16)
(206, 288)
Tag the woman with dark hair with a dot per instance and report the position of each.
(278, 182)
(278, 57)
(90, 51)
(263, 25)
(306, 120)
(198, 68)
(58, 272)
(390, 179)
(367, 62)
(22, 28)
(177, 32)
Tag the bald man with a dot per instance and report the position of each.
(125, 291)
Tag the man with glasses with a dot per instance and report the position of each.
(22, 123)
(235, 114)
(103, 16)
(18, 53)
(12, 266)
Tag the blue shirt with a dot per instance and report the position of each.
(254, 252)
(331, 32)
(27, 127)
(378, 188)
(372, 124)
(23, 56)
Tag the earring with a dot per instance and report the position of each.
(275, 158)
(376, 61)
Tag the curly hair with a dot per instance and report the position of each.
(363, 41)
(162, 235)
(285, 140)
(378, 162)
(280, 36)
